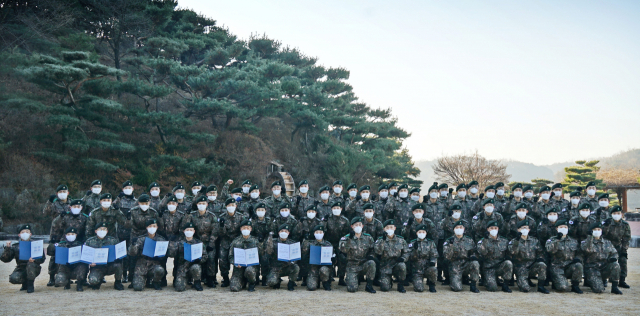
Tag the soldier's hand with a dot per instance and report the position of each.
(510, 197)
(481, 196)
(559, 235)
(519, 235)
(229, 182)
(260, 239)
(612, 260)
(121, 194)
(52, 198)
(450, 191)
(128, 214)
(624, 255)
(352, 234)
(373, 197)
(400, 259)
(545, 220)
(535, 199)
(432, 264)
(88, 192)
(358, 197)
(576, 260)
(92, 265)
(425, 198)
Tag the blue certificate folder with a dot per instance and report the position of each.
(320, 255)
(150, 250)
(30, 249)
(62, 255)
(192, 252)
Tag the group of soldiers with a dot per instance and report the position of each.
(393, 236)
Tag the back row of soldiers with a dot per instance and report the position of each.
(454, 240)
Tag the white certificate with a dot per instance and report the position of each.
(87, 254)
(325, 254)
(121, 249)
(101, 255)
(74, 254)
(161, 248)
(289, 252)
(36, 249)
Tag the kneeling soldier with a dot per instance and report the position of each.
(423, 257)
(97, 272)
(278, 268)
(460, 250)
(528, 258)
(26, 271)
(240, 274)
(315, 272)
(565, 260)
(147, 268)
(393, 252)
(68, 272)
(600, 261)
(493, 252)
(193, 269)
(358, 249)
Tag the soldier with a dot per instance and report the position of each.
(147, 268)
(278, 268)
(500, 202)
(423, 258)
(358, 247)
(224, 195)
(602, 212)
(515, 199)
(181, 204)
(196, 188)
(447, 224)
(244, 241)
(566, 259)
(26, 271)
(493, 253)
(284, 217)
(544, 204)
(558, 199)
(489, 193)
(547, 227)
(600, 261)
(337, 193)
(400, 208)
(473, 197)
(591, 197)
(393, 189)
(531, 202)
(246, 207)
(68, 272)
(352, 194)
(459, 251)
(418, 219)
(323, 206)
(214, 205)
(75, 218)
(56, 205)
(579, 225)
(573, 207)
(106, 213)
(173, 219)
(261, 227)
(481, 219)
(274, 201)
(393, 252)
(315, 273)
(91, 199)
(207, 229)
(528, 258)
(356, 208)
(308, 222)
(154, 200)
(137, 219)
(380, 203)
(125, 202)
(521, 214)
(187, 269)
(443, 190)
(303, 200)
(337, 226)
(466, 203)
(618, 231)
(230, 223)
(372, 225)
(436, 211)
(98, 272)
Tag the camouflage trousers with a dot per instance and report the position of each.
(503, 269)
(622, 261)
(98, 272)
(594, 274)
(265, 266)
(291, 270)
(340, 263)
(524, 271)
(560, 273)
(187, 269)
(146, 268)
(442, 263)
(223, 255)
(317, 273)
(21, 275)
(459, 268)
(53, 266)
(354, 271)
(66, 272)
(420, 268)
(211, 264)
(241, 275)
(399, 270)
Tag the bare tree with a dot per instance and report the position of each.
(619, 176)
(464, 168)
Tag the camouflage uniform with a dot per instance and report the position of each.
(400, 210)
(97, 273)
(373, 228)
(184, 207)
(579, 227)
(155, 202)
(25, 271)
(597, 266)
(494, 253)
(207, 230)
(527, 255)
(248, 206)
(546, 230)
(336, 227)
(337, 198)
(436, 212)
(306, 225)
(91, 202)
(278, 268)
(146, 267)
(379, 206)
(358, 252)
(273, 204)
(591, 200)
(55, 209)
(300, 205)
(459, 252)
(229, 230)
(466, 205)
(243, 274)
(355, 209)
(137, 225)
(186, 268)
(66, 272)
(172, 223)
(423, 257)
(619, 233)
(111, 216)
(511, 227)
(261, 229)
(66, 220)
(510, 208)
(563, 251)
(410, 231)
(289, 220)
(500, 203)
(314, 273)
(125, 203)
(216, 207)
(390, 251)
(481, 220)
(542, 207)
(323, 209)
(448, 224)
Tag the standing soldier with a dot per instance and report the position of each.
(137, 219)
(591, 195)
(618, 231)
(75, 218)
(154, 200)
(337, 226)
(196, 188)
(358, 248)
(465, 202)
(187, 269)
(26, 271)
(459, 251)
(500, 202)
(323, 205)
(400, 208)
(393, 189)
(418, 219)
(579, 225)
(230, 223)
(308, 222)
(207, 229)
(515, 199)
(337, 193)
(125, 202)
(547, 227)
(284, 217)
(147, 268)
(352, 194)
(303, 200)
(246, 207)
(278, 268)
(274, 201)
(443, 190)
(261, 227)
(393, 252)
(172, 219)
(372, 225)
(558, 198)
(602, 212)
(528, 258)
(380, 203)
(316, 273)
(356, 208)
(473, 197)
(565, 259)
(531, 202)
(57, 205)
(483, 218)
(244, 241)
(103, 238)
(436, 211)
(521, 214)
(106, 213)
(600, 261)
(493, 253)
(446, 226)
(573, 207)
(544, 204)
(214, 205)
(423, 258)
(91, 200)
(489, 193)
(75, 271)
(182, 205)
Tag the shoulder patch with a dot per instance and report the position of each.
(410, 245)
(510, 242)
(480, 241)
(475, 217)
(56, 244)
(570, 222)
(343, 238)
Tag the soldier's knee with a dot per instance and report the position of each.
(138, 287)
(180, 287)
(475, 266)
(61, 280)
(579, 268)
(158, 270)
(352, 288)
(508, 264)
(16, 278)
(456, 286)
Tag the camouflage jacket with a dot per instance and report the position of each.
(176, 250)
(184, 206)
(136, 251)
(111, 216)
(511, 227)
(244, 243)
(337, 226)
(56, 208)
(300, 204)
(64, 243)
(492, 251)
(541, 207)
(172, 223)
(91, 202)
(400, 210)
(207, 227)
(248, 207)
(591, 200)
(66, 220)
(458, 250)
(323, 209)
(137, 223)
(125, 203)
(410, 231)
(305, 248)
(355, 209)
(95, 242)
(436, 212)
(13, 252)
(306, 226)
(579, 227)
(466, 205)
(389, 250)
(422, 251)
(546, 230)
(155, 202)
(357, 249)
(510, 208)
(338, 198)
(619, 233)
(271, 249)
(447, 226)
(481, 220)
(373, 228)
(289, 220)
(562, 251)
(525, 251)
(216, 207)
(597, 251)
(230, 229)
(261, 228)
(379, 206)
(272, 204)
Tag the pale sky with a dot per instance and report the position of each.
(539, 82)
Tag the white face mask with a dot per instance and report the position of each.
(127, 191)
(171, 207)
(212, 197)
(276, 192)
(195, 191)
(96, 190)
(403, 194)
(473, 190)
(456, 215)
(324, 196)
(462, 194)
(493, 233)
(319, 236)
(616, 217)
(154, 193)
(563, 231)
(545, 196)
(384, 194)
(255, 195)
(585, 213)
(390, 232)
(591, 192)
(285, 213)
(336, 211)
(368, 214)
(525, 232)
(151, 230)
(488, 209)
(304, 190)
(25, 236)
(261, 213)
(500, 192)
(202, 207)
(417, 215)
(245, 190)
(521, 215)
(575, 201)
(444, 193)
(337, 190)
(353, 193)
(597, 233)
(231, 209)
(365, 196)
(101, 233)
(62, 196)
(179, 196)
(236, 197)
(188, 233)
(144, 207)
(458, 231)
(415, 198)
(517, 194)
(105, 204)
(528, 195)
(392, 191)
(422, 235)
(552, 218)
(557, 193)
(283, 235)
(357, 229)
(71, 238)
(76, 210)
(246, 232)
(603, 203)
(433, 195)
(491, 194)
(311, 215)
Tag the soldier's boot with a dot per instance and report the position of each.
(210, 283)
(277, 285)
(264, 281)
(252, 287)
(79, 286)
(198, 285)
(225, 281)
(125, 276)
(401, 286)
(118, 285)
(30, 287)
(605, 282)
(575, 287)
(163, 282)
(24, 286)
(614, 288)
(326, 285)
(542, 290)
(341, 282)
(505, 287)
(304, 281)
(499, 281)
(52, 280)
(623, 284)
(473, 288)
(369, 287)
(68, 285)
(291, 285)
(97, 286)
(432, 287)
(157, 286)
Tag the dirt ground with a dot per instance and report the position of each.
(266, 301)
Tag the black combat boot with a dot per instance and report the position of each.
(30, 287)
(252, 287)
(623, 284)
(605, 282)
(24, 285)
(575, 287)
(52, 280)
(68, 285)
(264, 281)
(96, 287)
(341, 282)
(197, 285)
(541, 288)
(79, 286)
(546, 282)
(130, 285)
(163, 282)
(369, 287)
(304, 281)
(505, 287)
(473, 287)
(432, 287)
(326, 285)
(157, 286)
(118, 285)
(291, 285)
(277, 286)
(614, 288)
(401, 286)
(225, 281)
(210, 283)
